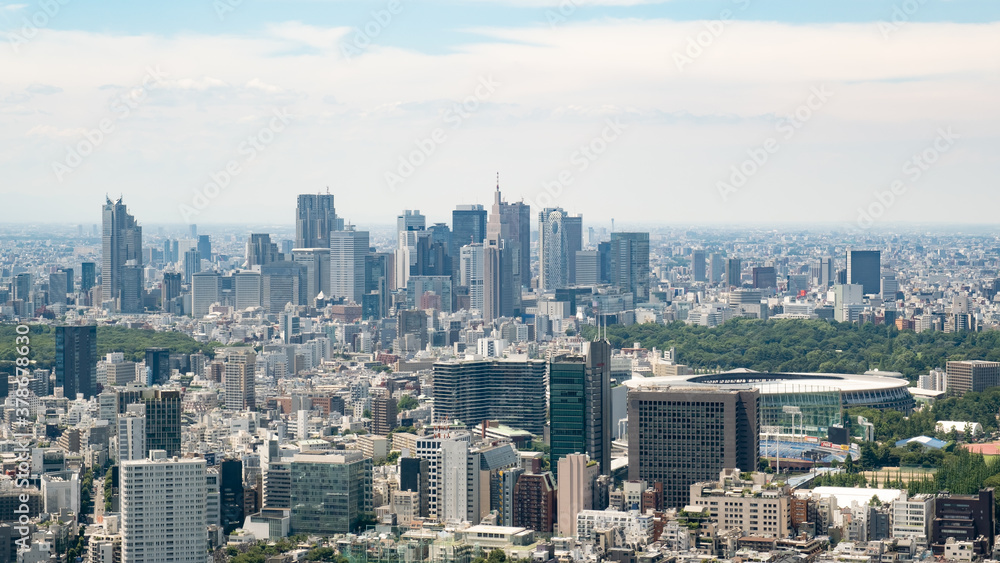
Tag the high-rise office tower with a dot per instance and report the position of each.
(716, 268)
(163, 510)
(314, 509)
(157, 366)
(132, 434)
(377, 298)
(588, 267)
(414, 476)
(316, 261)
(698, 265)
(88, 276)
(192, 264)
(348, 252)
(282, 282)
(685, 435)
(246, 290)
(559, 237)
(168, 256)
(509, 390)
(57, 288)
(163, 419)
(468, 226)
(240, 365)
(193, 230)
(170, 289)
(205, 247)
(205, 291)
(630, 263)
(580, 404)
(231, 494)
(383, 415)
(132, 288)
(430, 256)
(76, 360)
(765, 277)
(826, 273)
(864, 267)
(501, 263)
(315, 218)
(261, 251)
(69, 279)
(734, 272)
(471, 274)
(122, 243)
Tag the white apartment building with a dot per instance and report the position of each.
(163, 510)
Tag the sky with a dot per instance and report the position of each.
(857, 112)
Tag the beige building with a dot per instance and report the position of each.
(576, 490)
(746, 502)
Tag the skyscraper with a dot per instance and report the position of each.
(132, 434)
(678, 436)
(348, 251)
(121, 244)
(192, 264)
(580, 404)
(468, 225)
(383, 415)
(559, 236)
(231, 494)
(205, 291)
(315, 218)
(864, 267)
(765, 277)
(317, 264)
(76, 360)
(88, 276)
(163, 420)
(734, 272)
(471, 273)
(261, 251)
(630, 263)
(240, 366)
(163, 510)
(157, 366)
(511, 390)
(57, 288)
(698, 265)
(132, 288)
(205, 247)
(503, 259)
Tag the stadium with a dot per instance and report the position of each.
(797, 410)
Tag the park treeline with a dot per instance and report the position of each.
(800, 345)
(130, 341)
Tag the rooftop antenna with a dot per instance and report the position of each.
(498, 181)
(612, 224)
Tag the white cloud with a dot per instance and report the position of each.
(556, 88)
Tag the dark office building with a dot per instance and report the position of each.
(679, 436)
(468, 226)
(765, 277)
(965, 518)
(157, 366)
(76, 360)
(205, 247)
(511, 391)
(630, 263)
(383, 415)
(864, 267)
(580, 405)
(231, 494)
(69, 279)
(163, 420)
(88, 276)
(698, 265)
(315, 217)
(734, 272)
(414, 476)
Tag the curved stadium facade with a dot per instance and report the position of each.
(819, 397)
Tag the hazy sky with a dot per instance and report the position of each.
(637, 110)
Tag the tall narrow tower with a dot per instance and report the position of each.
(121, 245)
